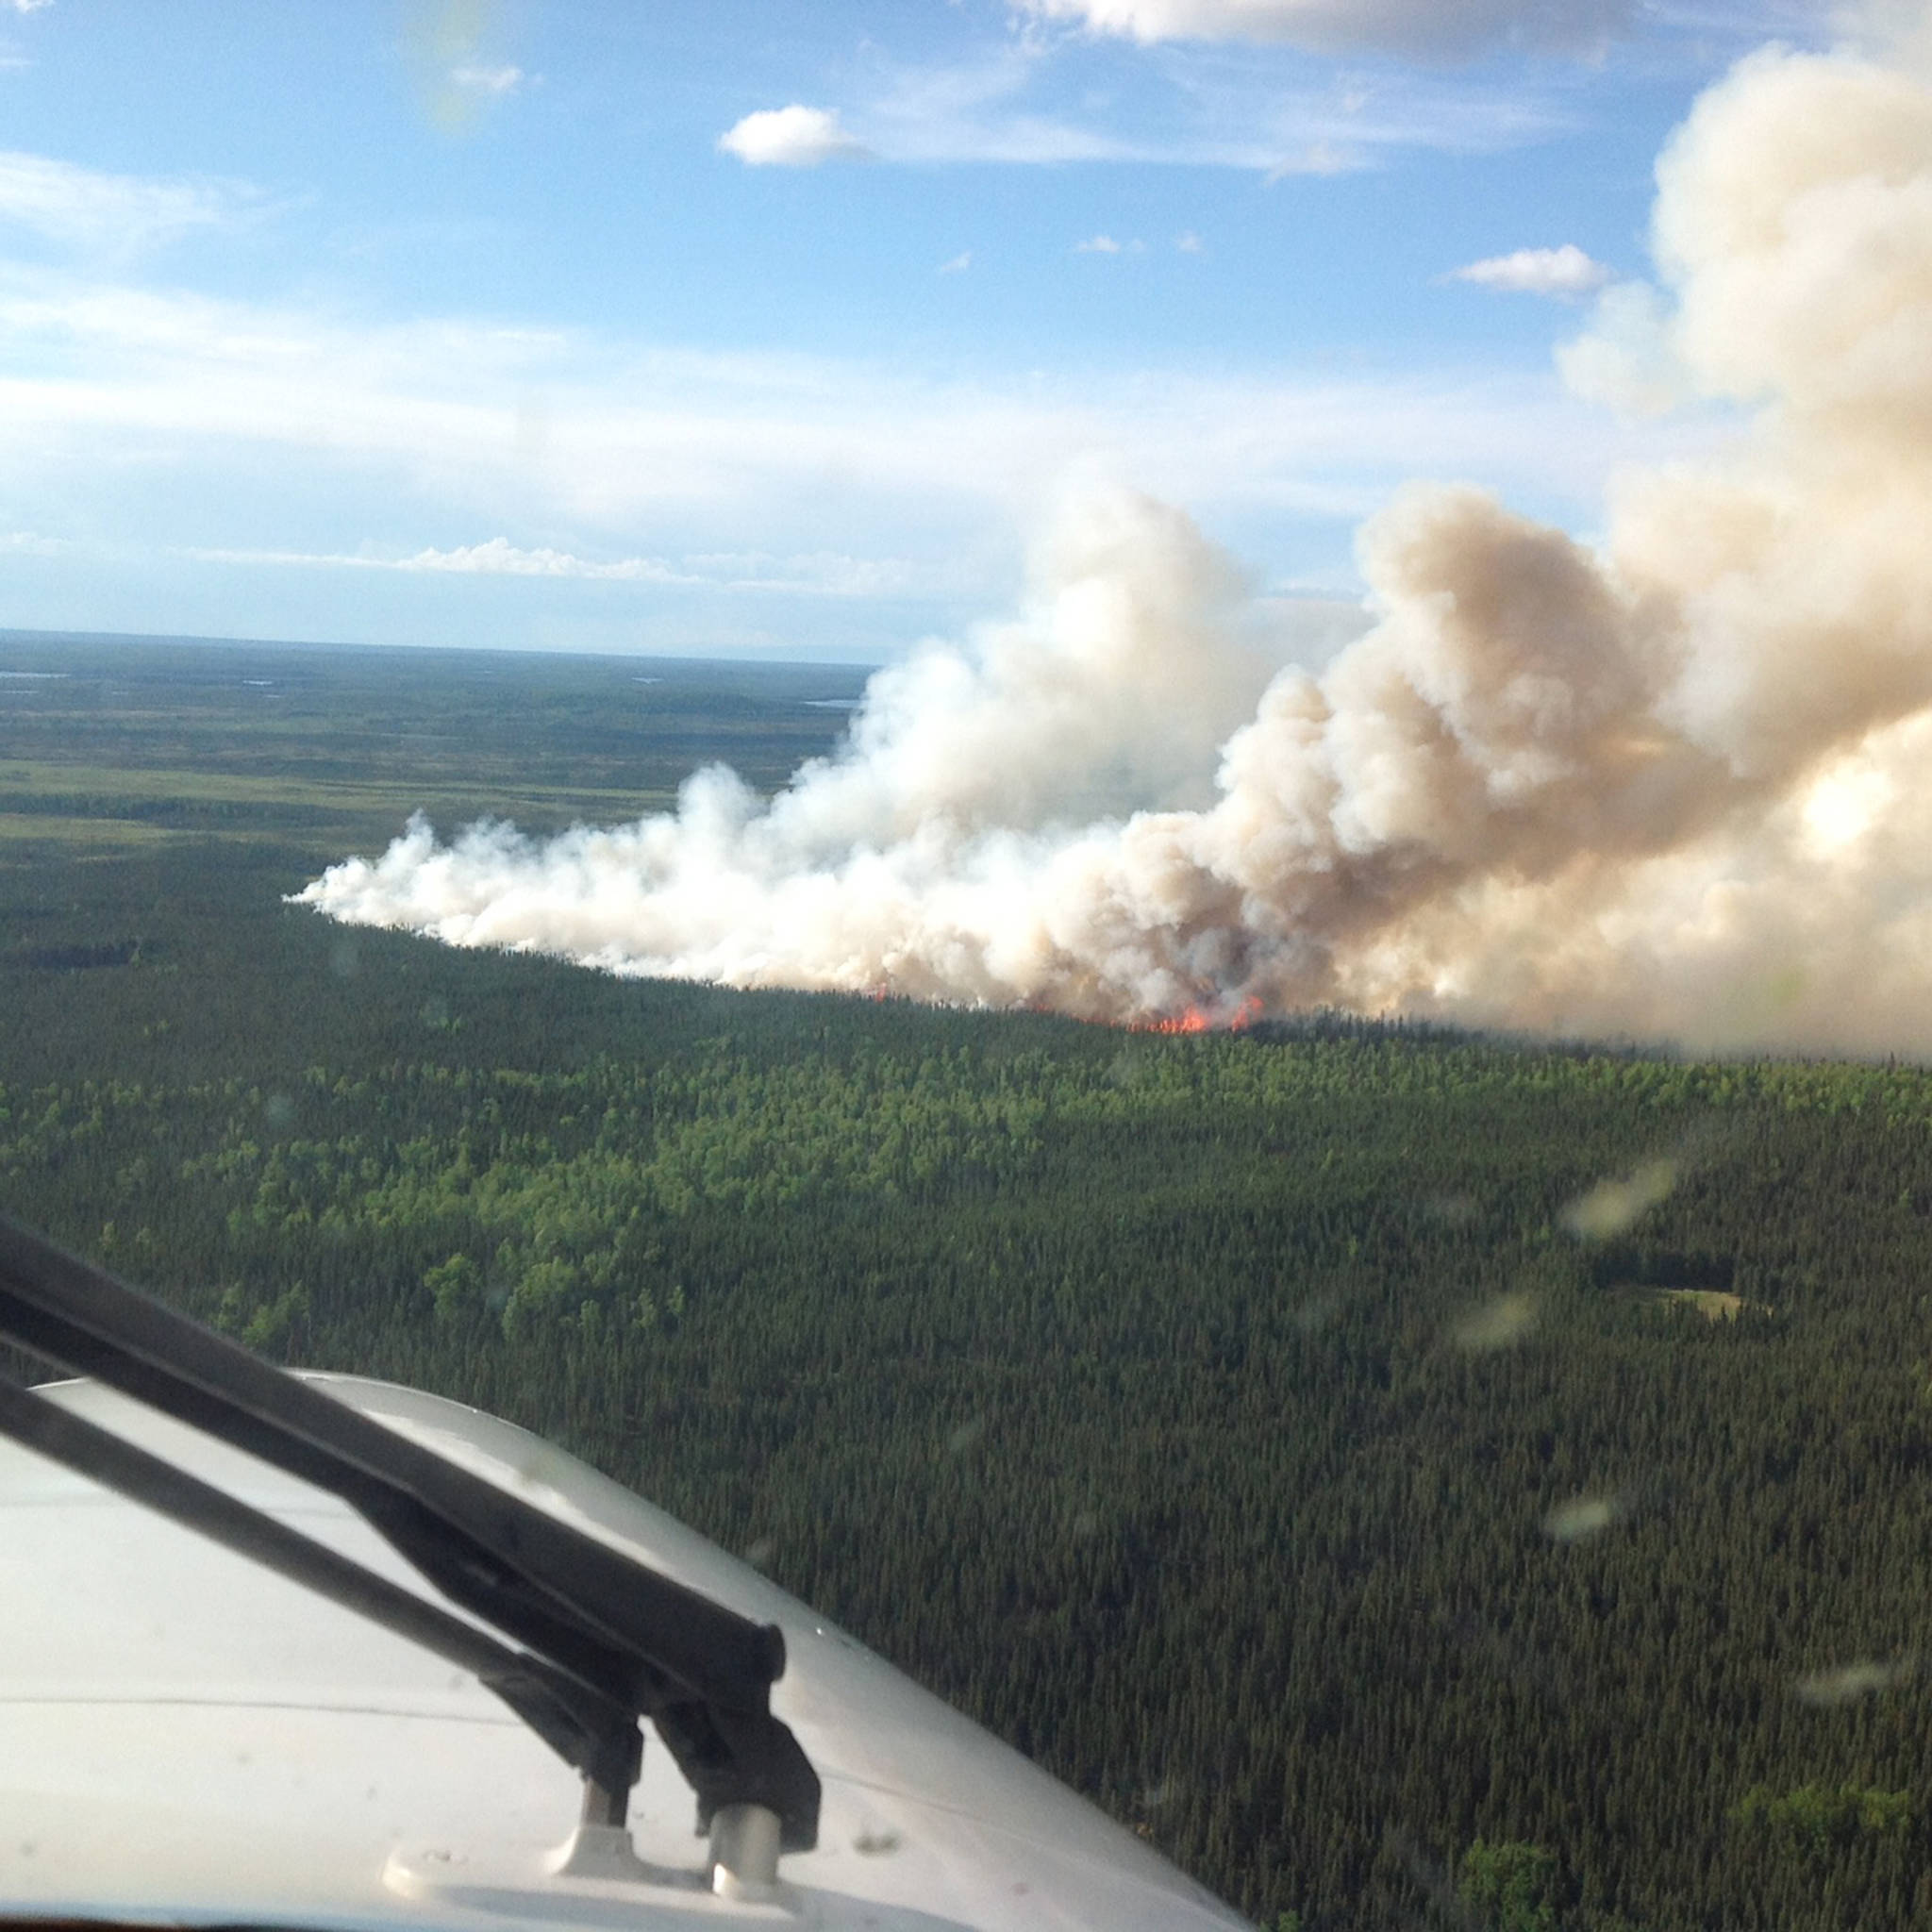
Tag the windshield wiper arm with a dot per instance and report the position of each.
(601, 1639)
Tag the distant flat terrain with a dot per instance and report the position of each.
(115, 742)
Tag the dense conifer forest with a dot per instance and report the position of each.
(1413, 1480)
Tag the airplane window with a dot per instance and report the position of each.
(1100, 821)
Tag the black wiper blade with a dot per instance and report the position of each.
(602, 1640)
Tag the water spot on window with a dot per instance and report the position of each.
(1496, 1324)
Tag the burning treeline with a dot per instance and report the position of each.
(1681, 784)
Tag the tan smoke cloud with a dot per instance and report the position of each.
(1679, 786)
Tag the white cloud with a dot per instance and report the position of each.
(1440, 30)
(190, 421)
(969, 111)
(1189, 243)
(499, 557)
(1263, 115)
(497, 81)
(792, 137)
(959, 265)
(1566, 271)
(83, 209)
(1625, 358)
(815, 573)
(26, 5)
(1320, 158)
(1097, 245)
(818, 573)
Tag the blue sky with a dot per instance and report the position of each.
(759, 328)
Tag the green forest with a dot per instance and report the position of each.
(1410, 1478)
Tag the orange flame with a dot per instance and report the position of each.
(1199, 1020)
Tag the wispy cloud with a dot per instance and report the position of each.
(1754, 22)
(819, 573)
(975, 112)
(813, 573)
(1566, 272)
(1320, 158)
(1272, 115)
(1188, 243)
(1097, 245)
(26, 6)
(643, 458)
(495, 82)
(959, 265)
(1433, 28)
(499, 557)
(80, 208)
(793, 137)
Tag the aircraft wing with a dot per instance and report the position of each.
(188, 1738)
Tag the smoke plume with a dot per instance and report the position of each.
(1679, 784)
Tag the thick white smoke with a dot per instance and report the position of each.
(1680, 786)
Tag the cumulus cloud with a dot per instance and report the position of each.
(793, 137)
(27, 6)
(1428, 27)
(1675, 783)
(84, 209)
(1566, 271)
(1097, 245)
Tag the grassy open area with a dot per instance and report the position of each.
(156, 801)
(1713, 1303)
(332, 749)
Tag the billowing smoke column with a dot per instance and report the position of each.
(1682, 786)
